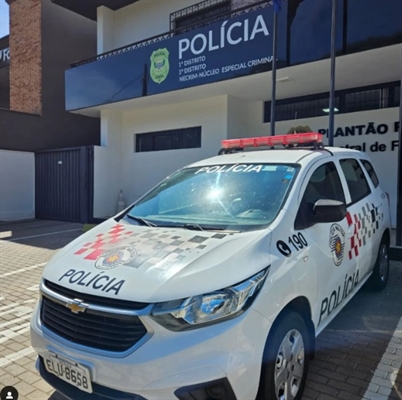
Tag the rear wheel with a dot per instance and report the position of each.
(286, 360)
(379, 278)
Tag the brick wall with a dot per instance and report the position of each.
(25, 56)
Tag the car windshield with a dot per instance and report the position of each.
(236, 197)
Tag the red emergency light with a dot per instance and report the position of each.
(293, 139)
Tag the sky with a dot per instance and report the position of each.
(4, 24)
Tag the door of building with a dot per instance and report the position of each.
(64, 184)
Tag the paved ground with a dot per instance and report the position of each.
(359, 355)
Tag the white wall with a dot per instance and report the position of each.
(105, 29)
(118, 166)
(17, 185)
(145, 19)
(385, 162)
(108, 165)
(111, 129)
(141, 20)
(238, 116)
(107, 181)
(142, 171)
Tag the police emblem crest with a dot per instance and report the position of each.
(337, 243)
(115, 257)
(159, 65)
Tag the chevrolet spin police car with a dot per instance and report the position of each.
(215, 283)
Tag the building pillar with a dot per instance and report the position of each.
(105, 27)
(25, 56)
(108, 164)
(111, 129)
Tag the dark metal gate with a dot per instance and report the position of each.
(64, 184)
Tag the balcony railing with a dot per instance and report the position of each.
(171, 33)
(198, 12)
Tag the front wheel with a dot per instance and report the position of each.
(286, 360)
(379, 278)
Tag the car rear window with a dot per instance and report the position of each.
(356, 180)
(371, 172)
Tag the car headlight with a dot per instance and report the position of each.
(198, 311)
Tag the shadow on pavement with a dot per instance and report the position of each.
(57, 396)
(355, 357)
(50, 235)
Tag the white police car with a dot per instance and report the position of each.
(215, 284)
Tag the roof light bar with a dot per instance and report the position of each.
(293, 139)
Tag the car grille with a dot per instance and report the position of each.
(99, 330)
(95, 300)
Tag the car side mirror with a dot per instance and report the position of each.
(328, 211)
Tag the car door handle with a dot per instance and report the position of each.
(351, 231)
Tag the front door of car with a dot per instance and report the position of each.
(328, 241)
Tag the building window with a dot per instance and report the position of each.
(301, 109)
(346, 101)
(198, 15)
(397, 96)
(187, 138)
(367, 100)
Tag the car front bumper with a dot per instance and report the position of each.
(224, 357)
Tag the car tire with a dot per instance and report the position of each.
(379, 278)
(286, 360)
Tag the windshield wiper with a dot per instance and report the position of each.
(197, 227)
(189, 226)
(141, 220)
(192, 227)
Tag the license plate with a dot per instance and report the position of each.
(69, 371)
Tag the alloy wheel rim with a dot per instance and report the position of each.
(289, 367)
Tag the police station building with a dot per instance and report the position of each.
(173, 78)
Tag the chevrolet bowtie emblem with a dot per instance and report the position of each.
(76, 306)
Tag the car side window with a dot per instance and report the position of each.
(323, 184)
(357, 182)
(371, 172)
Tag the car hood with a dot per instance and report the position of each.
(149, 264)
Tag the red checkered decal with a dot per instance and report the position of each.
(152, 246)
(101, 244)
(365, 223)
(355, 241)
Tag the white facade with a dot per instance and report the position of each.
(141, 20)
(17, 185)
(228, 109)
(135, 22)
(118, 166)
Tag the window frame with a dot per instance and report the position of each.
(299, 219)
(181, 142)
(364, 162)
(388, 99)
(354, 201)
